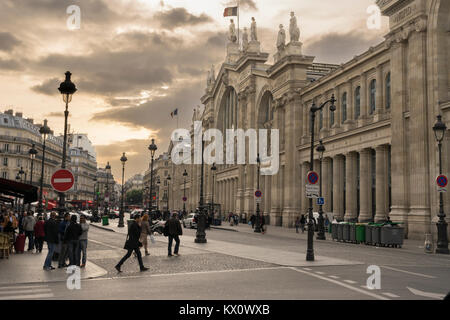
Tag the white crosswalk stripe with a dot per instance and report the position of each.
(350, 281)
(390, 295)
(35, 292)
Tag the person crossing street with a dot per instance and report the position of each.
(173, 230)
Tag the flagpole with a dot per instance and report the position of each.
(239, 39)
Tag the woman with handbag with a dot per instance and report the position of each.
(145, 231)
(133, 244)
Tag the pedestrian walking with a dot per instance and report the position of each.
(173, 230)
(63, 252)
(263, 223)
(72, 237)
(133, 244)
(51, 237)
(28, 226)
(39, 234)
(145, 232)
(302, 223)
(327, 222)
(297, 224)
(83, 241)
(252, 220)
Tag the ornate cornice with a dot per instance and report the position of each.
(403, 33)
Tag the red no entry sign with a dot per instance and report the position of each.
(442, 181)
(258, 193)
(62, 180)
(313, 177)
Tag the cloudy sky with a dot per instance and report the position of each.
(135, 61)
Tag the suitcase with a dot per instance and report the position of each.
(19, 245)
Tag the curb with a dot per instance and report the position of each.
(101, 227)
(226, 229)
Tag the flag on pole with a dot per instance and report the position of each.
(230, 12)
(174, 113)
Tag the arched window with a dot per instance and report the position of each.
(357, 102)
(266, 111)
(373, 92)
(388, 91)
(230, 110)
(344, 107)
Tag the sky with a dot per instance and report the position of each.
(135, 61)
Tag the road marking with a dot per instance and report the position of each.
(33, 296)
(320, 272)
(437, 296)
(26, 291)
(409, 272)
(390, 295)
(307, 269)
(350, 281)
(23, 287)
(343, 285)
(335, 277)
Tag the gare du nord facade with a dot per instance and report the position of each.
(381, 155)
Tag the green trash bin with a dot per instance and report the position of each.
(352, 232)
(360, 233)
(105, 221)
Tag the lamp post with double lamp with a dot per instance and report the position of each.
(152, 147)
(67, 89)
(185, 174)
(106, 197)
(442, 242)
(258, 216)
(200, 236)
(213, 172)
(168, 192)
(312, 112)
(123, 159)
(321, 234)
(44, 131)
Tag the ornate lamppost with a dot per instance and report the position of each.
(321, 234)
(152, 147)
(123, 159)
(67, 89)
(200, 236)
(185, 174)
(442, 242)
(213, 171)
(44, 131)
(96, 197)
(32, 152)
(312, 112)
(258, 216)
(106, 197)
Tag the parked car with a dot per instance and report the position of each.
(113, 214)
(87, 214)
(189, 221)
(136, 211)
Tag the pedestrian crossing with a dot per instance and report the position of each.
(26, 292)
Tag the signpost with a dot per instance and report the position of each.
(320, 201)
(312, 191)
(313, 177)
(258, 193)
(442, 182)
(62, 180)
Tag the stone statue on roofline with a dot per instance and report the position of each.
(253, 32)
(281, 40)
(245, 40)
(294, 30)
(232, 32)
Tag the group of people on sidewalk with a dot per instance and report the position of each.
(138, 233)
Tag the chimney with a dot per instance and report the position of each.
(19, 114)
(10, 112)
(30, 120)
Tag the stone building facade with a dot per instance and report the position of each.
(381, 154)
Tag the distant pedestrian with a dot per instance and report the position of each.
(39, 234)
(132, 244)
(252, 221)
(28, 226)
(173, 230)
(302, 223)
(263, 223)
(51, 237)
(72, 238)
(297, 224)
(327, 222)
(145, 232)
(63, 252)
(83, 241)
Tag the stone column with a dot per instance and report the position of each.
(326, 183)
(338, 186)
(379, 94)
(351, 181)
(267, 194)
(364, 108)
(381, 182)
(365, 186)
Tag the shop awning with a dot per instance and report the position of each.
(18, 190)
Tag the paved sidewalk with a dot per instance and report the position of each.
(27, 268)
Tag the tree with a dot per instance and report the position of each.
(134, 197)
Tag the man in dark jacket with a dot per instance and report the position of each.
(174, 230)
(63, 253)
(133, 244)
(71, 237)
(51, 237)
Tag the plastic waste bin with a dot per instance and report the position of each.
(334, 231)
(352, 232)
(340, 232)
(368, 230)
(376, 234)
(391, 235)
(105, 220)
(346, 231)
(360, 233)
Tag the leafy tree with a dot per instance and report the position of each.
(134, 197)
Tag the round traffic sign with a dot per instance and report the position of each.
(184, 199)
(258, 193)
(442, 181)
(62, 180)
(313, 177)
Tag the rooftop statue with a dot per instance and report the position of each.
(281, 40)
(294, 30)
(232, 32)
(253, 32)
(245, 40)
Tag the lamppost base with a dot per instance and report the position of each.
(309, 256)
(121, 224)
(442, 242)
(200, 240)
(442, 250)
(321, 237)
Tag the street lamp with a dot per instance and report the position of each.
(158, 183)
(185, 174)
(32, 152)
(107, 170)
(96, 197)
(312, 112)
(258, 217)
(152, 147)
(321, 234)
(123, 159)
(200, 236)
(44, 131)
(213, 170)
(442, 243)
(146, 197)
(67, 89)
(168, 192)
(21, 173)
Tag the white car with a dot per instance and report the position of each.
(87, 214)
(189, 221)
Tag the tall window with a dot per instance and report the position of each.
(357, 102)
(230, 110)
(331, 118)
(388, 91)
(5, 162)
(344, 107)
(373, 92)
